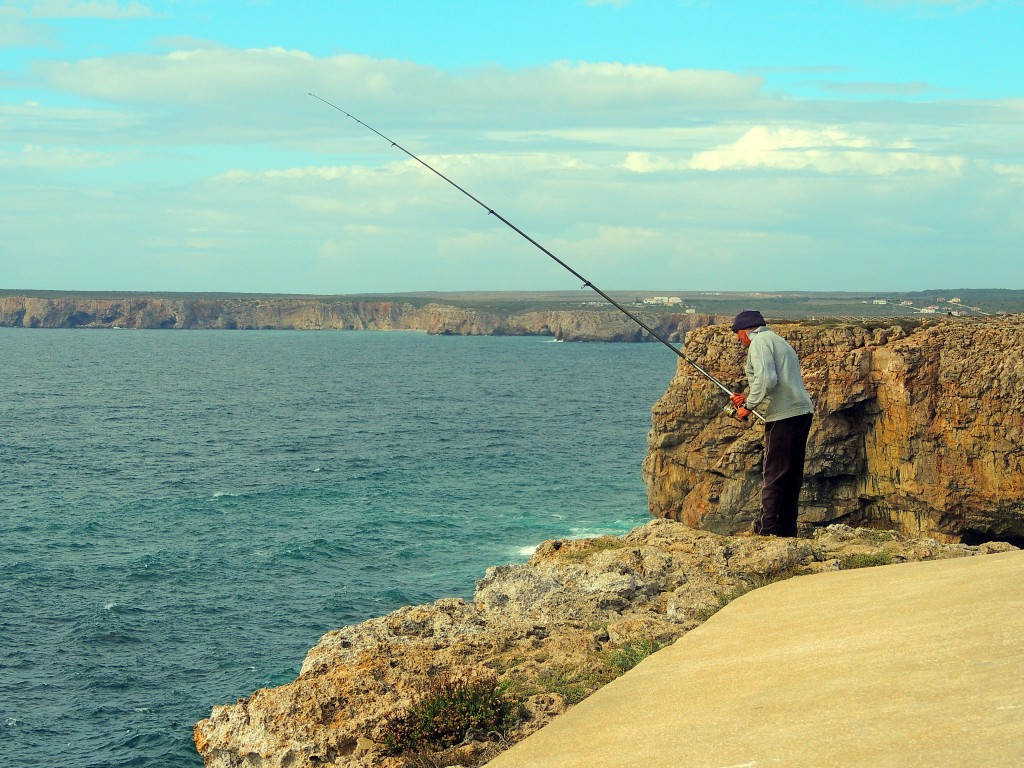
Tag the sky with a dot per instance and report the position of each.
(678, 145)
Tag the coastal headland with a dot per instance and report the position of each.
(917, 457)
(568, 315)
(495, 317)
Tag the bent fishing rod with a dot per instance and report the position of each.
(740, 413)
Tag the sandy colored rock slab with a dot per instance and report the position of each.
(919, 664)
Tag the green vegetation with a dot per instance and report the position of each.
(576, 682)
(448, 710)
(860, 560)
(630, 653)
(573, 684)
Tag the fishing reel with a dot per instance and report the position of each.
(738, 413)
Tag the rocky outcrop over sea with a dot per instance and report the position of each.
(918, 427)
(535, 639)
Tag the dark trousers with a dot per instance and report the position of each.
(785, 443)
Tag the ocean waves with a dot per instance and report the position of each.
(186, 513)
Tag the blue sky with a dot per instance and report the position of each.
(865, 145)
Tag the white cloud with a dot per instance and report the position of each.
(825, 149)
(16, 33)
(207, 75)
(641, 176)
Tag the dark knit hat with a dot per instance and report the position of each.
(748, 318)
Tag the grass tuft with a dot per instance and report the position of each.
(865, 560)
(448, 712)
(630, 653)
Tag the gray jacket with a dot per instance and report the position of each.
(773, 371)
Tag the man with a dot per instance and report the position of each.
(777, 392)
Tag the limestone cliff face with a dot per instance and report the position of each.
(337, 314)
(548, 629)
(920, 431)
(200, 313)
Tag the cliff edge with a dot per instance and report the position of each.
(456, 682)
(919, 428)
(914, 666)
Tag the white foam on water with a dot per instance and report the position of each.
(591, 533)
(575, 534)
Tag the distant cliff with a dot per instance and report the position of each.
(338, 314)
(919, 429)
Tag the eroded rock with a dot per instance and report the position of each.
(918, 429)
(549, 629)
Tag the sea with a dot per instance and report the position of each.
(184, 513)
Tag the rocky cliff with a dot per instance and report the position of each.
(918, 428)
(453, 683)
(339, 314)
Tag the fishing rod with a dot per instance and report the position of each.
(740, 413)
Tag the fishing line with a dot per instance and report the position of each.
(521, 233)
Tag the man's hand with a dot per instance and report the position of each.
(739, 401)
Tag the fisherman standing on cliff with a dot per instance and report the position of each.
(777, 391)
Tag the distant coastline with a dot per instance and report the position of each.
(499, 317)
(563, 315)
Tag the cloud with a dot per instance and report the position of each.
(63, 158)
(203, 75)
(219, 95)
(223, 174)
(827, 150)
(15, 33)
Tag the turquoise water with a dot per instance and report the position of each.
(183, 514)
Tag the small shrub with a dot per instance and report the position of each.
(449, 709)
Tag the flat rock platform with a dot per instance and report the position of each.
(919, 664)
